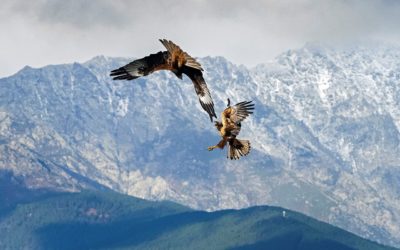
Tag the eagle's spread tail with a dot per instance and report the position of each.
(238, 148)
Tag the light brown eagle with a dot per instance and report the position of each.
(229, 128)
(176, 60)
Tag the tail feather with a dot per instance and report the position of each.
(238, 148)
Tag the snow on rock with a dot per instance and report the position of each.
(325, 134)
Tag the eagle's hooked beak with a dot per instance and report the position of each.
(229, 103)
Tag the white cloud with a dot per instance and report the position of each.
(54, 31)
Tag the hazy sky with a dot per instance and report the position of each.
(41, 32)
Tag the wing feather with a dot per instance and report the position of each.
(176, 60)
(202, 91)
(239, 111)
(234, 115)
(142, 67)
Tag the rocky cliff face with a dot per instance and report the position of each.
(325, 134)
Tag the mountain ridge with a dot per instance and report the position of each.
(312, 132)
(105, 219)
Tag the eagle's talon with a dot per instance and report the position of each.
(210, 148)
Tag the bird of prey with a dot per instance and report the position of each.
(175, 60)
(229, 128)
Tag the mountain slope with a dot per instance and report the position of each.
(325, 134)
(108, 220)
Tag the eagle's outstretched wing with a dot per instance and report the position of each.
(200, 86)
(190, 67)
(239, 111)
(176, 60)
(143, 66)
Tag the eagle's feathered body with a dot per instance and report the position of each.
(175, 60)
(229, 128)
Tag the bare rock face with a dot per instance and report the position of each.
(325, 134)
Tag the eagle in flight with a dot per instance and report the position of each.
(229, 128)
(176, 60)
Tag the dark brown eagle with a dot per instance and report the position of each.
(176, 60)
(229, 128)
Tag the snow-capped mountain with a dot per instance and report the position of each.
(325, 134)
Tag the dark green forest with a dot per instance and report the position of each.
(40, 219)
